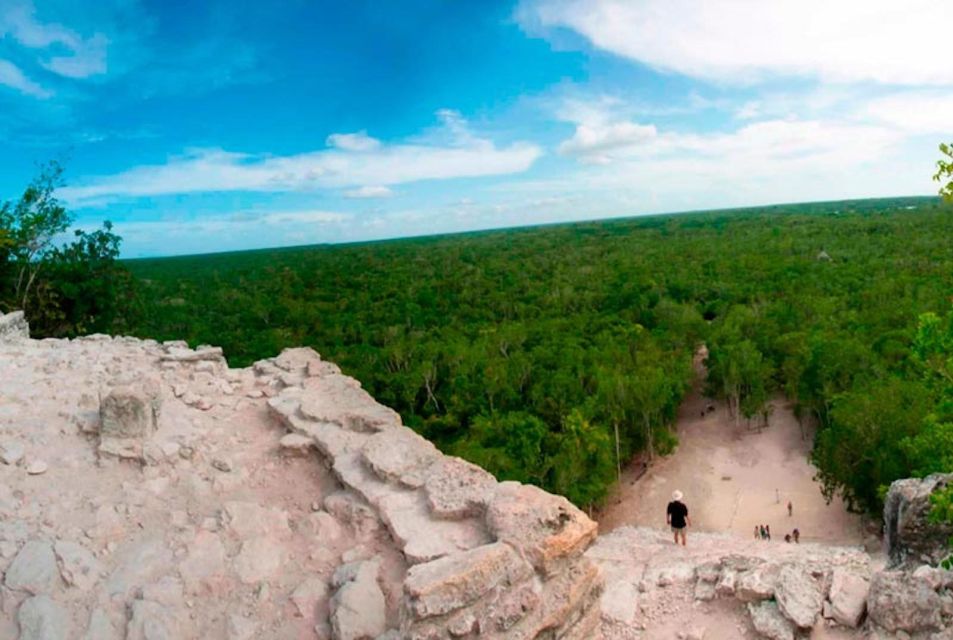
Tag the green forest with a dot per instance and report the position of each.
(553, 355)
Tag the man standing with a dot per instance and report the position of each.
(677, 516)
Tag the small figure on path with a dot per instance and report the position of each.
(787, 537)
(757, 532)
(797, 536)
(767, 530)
(677, 516)
(790, 509)
(777, 497)
(763, 534)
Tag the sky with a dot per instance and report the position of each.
(228, 124)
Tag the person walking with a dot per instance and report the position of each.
(790, 509)
(767, 530)
(761, 529)
(797, 536)
(757, 532)
(676, 515)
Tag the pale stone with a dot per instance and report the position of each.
(457, 489)
(848, 597)
(259, 559)
(77, 565)
(308, 594)
(767, 620)
(420, 537)
(455, 581)
(40, 618)
(37, 467)
(799, 596)
(293, 444)
(340, 400)
(758, 583)
(358, 609)
(899, 602)
(204, 565)
(152, 621)
(100, 627)
(620, 602)
(400, 455)
(33, 569)
(547, 528)
(11, 452)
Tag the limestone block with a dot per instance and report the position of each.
(457, 489)
(419, 536)
(898, 601)
(341, 400)
(798, 595)
(848, 597)
(33, 569)
(458, 580)
(40, 618)
(401, 456)
(358, 608)
(547, 528)
(757, 583)
(767, 620)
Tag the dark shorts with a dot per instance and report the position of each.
(677, 529)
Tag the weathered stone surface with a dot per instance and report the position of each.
(757, 583)
(548, 529)
(401, 456)
(798, 595)
(422, 538)
(341, 400)
(767, 620)
(152, 621)
(184, 354)
(33, 569)
(294, 444)
(130, 411)
(898, 601)
(100, 627)
(137, 565)
(457, 489)
(77, 565)
(41, 619)
(455, 581)
(620, 602)
(358, 609)
(910, 537)
(307, 595)
(259, 559)
(848, 597)
(11, 452)
(13, 327)
(204, 566)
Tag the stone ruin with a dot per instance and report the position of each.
(148, 491)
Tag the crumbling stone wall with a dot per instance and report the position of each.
(13, 326)
(486, 559)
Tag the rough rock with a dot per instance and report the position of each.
(898, 601)
(758, 583)
(77, 565)
(358, 609)
(548, 529)
(294, 444)
(129, 416)
(767, 620)
(798, 595)
(33, 569)
(456, 581)
(11, 452)
(100, 627)
(399, 455)
(341, 400)
(458, 489)
(848, 597)
(910, 537)
(307, 595)
(13, 327)
(40, 618)
(259, 559)
(152, 621)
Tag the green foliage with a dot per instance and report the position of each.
(64, 288)
(944, 171)
(504, 346)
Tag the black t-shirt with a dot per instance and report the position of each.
(679, 512)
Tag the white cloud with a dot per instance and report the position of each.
(84, 57)
(592, 142)
(216, 170)
(915, 112)
(359, 141)
(11, 76)
(741, 41)
(369, 191)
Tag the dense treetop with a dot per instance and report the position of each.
(549, 354)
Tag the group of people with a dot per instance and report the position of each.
(676, 516)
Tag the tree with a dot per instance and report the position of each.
(944, 172)
(28, 228)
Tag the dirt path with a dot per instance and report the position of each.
(734, 478)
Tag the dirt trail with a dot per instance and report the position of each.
(734, 478)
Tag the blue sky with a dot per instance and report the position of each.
(226, 125)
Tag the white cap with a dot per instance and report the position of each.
(676, 495)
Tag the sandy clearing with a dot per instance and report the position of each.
(734, 478)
